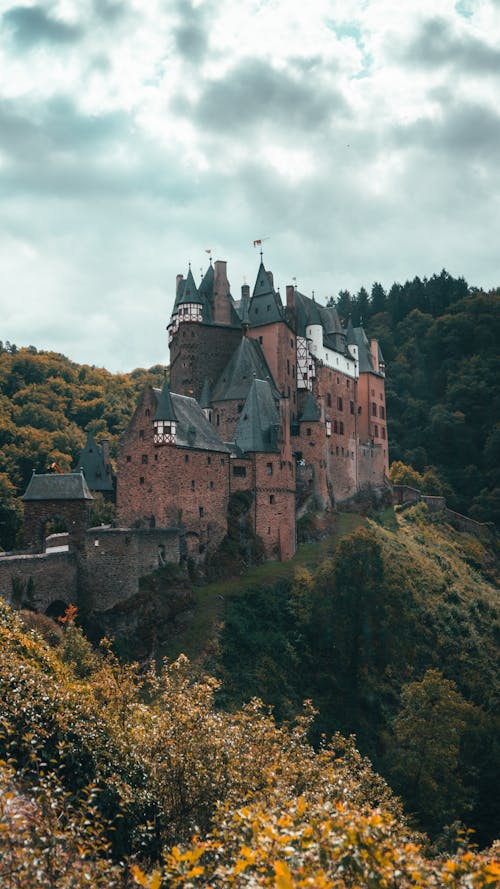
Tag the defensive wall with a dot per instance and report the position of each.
(105, 571)
(405, 495)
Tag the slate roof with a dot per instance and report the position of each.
(190, 292)
(206, 396)
(98, 473)
(164, 407)
(311, 412)
(246, 364)
(308, 311)
(365, 362)
(258, 425)
(57, 486)
(265, 305)
(193, 429)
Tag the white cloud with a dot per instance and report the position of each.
(361, 137)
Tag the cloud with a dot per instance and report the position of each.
(109, 10)
(254, 93)
(191, 34)
(437, 45)
(31, 25)
(461, 130)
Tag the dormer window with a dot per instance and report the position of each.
(164, 432)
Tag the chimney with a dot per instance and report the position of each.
(245, 291)
(374, 353)
(221, 300)
(290, 296)
(271, 279)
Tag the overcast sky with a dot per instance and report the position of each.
(362, 138)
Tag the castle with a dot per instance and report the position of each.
(277, 404)
(277, 400)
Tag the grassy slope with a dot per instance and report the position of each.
(200, 636)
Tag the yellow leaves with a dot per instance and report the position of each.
(148, 881)
(283, 875)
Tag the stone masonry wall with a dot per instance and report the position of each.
(170, 486)
(200, 351)
(54, 577)
(116, 558)
(73, 513)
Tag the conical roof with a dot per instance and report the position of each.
(190, 293)
(258, 425)
(350, 335)
(265, 305)
(311, 412)
(164, 407)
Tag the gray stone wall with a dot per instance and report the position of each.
(53, 576)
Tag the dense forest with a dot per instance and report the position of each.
(117, 777)
(439, 338)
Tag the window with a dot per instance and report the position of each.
(211, 486)
(308, 431)
(186, 458)
(271, 498)
(201, 511)
(288, 366)
(261, 340)
(374, 409)
(383, 433)
(239, 471)
(148, 411)
(209, 461)
(141, 480)
(341, 428)
(376, 431)
(382, 412)
(351, 406)
(141, 433)
(129, 458)
(335, 426)
(293, 371)
(340, 406)
(342, 451)
(269, 468)
(291, 344)
(222, 461)
(156, 458)
(144, 458)
(348, 382)
(328, 427)
(329, 400)
(192, 484)
(337, 450)
(217, 420)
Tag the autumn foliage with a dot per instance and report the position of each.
(124, 777)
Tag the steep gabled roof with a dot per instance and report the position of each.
(192, 427)
(206, 291)
(57, 486)
(265, 305)
(97, 472)
(311, 412)
(246, 364)
(164, 407)
(257, 429)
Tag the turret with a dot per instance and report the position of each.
(190, 305)
(165, 421)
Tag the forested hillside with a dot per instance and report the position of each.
(115, 777)
(47, 405)
(394, 638)
(440, 342)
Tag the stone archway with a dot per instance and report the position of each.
(56, 609)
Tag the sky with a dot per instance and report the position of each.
(360, 139)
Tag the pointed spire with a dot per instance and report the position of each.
(350, 335)
(164, 407)
(190, 292)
